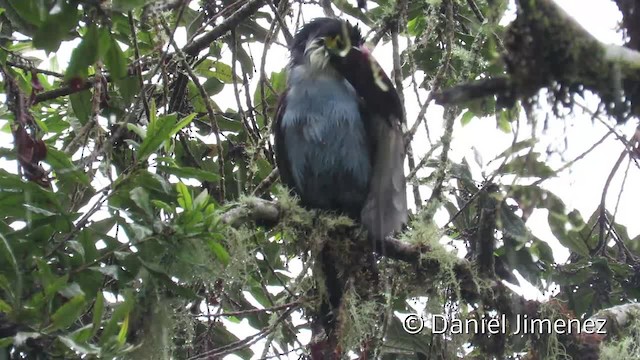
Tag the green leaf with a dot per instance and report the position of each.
(190, 172)
(68, 313)
(81, 105)
(115, 60)
(7, 255)
(6, 342)
(520, 145)
(466, 117)
(141, 197)
(29, 10)
(543, 251)
(56, 27)
(219, 251)
(53, 283)
(64, 168)
(512, 225)
(213, 86)
(128, 88)
(201, 201)
(122, 334)
(223, 72)
(109, 270)
(84, 55)
(158, 132)
(528, 165)
(160, 273)
(74, 345)
(98, 308)
(571, 239)
(121, 312)
(184, 196)
(182, 123)
(246, 62)
(575, 243)
(126, 5)
(4, 307)
(163, 206)
(71, 290)
(503, 122)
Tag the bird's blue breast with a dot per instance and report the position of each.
(326, 142)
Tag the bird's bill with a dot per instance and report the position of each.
(339, 44)
(360, 61)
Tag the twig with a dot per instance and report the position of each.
(476, 11)
(441, 172)
(602, 218)
(253, 208)
(443, 69)
(136, 48)
(283, 26)
(35, 69)
(327, 9)
(223, 12)
(621, 245)
(236, 91)
(266, 183)
(241, 344)
(576, 159)
(253, 311)
(207, 102)
(423, 161)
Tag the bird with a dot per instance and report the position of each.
(338, 131)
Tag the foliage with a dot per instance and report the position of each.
(113, 239)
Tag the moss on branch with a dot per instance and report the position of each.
(546, 48)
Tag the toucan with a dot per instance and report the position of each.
(338, 131)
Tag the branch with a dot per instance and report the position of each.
(208, 105)
(618, 317)
(66, 90)
(28, 67)
(547, 48)
(227, 25)
(474, 90)
(252, 209)
(265, 211)
(295, 303)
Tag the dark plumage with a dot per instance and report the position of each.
(338, 137)
(337, 133)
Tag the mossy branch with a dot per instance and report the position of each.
(547, 48)
(252, 209)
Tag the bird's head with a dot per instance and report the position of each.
(323, 38)
(328, 44)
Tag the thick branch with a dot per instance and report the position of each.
(64, 91)
(252, 209)
(264, 211)
(547, 48)
(228, 24)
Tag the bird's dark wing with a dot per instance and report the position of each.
(282, 161)
(385, 210)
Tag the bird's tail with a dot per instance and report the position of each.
(325, 343)
(334, 285)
